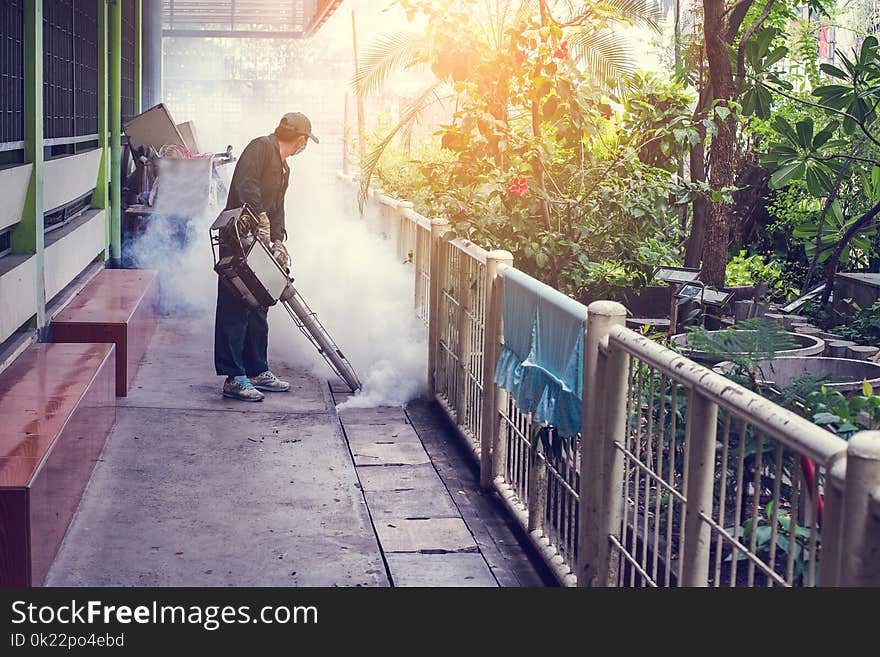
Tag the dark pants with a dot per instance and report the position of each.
(241, 336)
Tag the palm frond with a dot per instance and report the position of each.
(389, 53)
(638, 12)
(603, 54)
(409, 116)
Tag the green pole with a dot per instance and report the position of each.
(116, 132)
(138, 56)
(27, 237)
(100, 197)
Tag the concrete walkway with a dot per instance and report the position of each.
(195, 490)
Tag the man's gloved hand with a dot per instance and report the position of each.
(263, 232)
(279, 252)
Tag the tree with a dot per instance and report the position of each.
(739, 37)
(846, 149)
(502, 59)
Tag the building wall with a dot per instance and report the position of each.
(56, 119)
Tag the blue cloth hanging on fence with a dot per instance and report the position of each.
(541, 361)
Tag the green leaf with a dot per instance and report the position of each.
(805, 133)
(762, 535)
(784, 128)
(777, 54)
(867, 388)
(814, 185)
(749, 101)
(819, 183)
(825, 418)
(786, 173)
(833, 71)
(869, 50)
(825, 134)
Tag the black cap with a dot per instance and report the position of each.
(299, 123)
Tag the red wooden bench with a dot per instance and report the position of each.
(118, 306)
(58, 406)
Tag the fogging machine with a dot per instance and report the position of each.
(248, 268)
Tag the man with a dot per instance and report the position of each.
(241, 332)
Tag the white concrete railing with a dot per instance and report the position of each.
(679, 476)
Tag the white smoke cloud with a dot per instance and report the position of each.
(180, 251)
(351, 278)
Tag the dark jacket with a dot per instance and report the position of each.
(260, 180)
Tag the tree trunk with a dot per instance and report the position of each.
(715, 246)
(721, 152)
(694, 249)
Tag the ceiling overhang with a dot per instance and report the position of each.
(277, 19)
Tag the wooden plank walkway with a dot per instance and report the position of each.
(193, 489)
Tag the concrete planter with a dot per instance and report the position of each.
(843, 374)
(808, 345)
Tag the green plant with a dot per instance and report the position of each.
(534, 158)
(844, 415)
(743, 270)
(837, 158)
(863, 327)
(797, 545)
(745, 346)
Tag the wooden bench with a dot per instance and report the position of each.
(118, 306)
(58, 407)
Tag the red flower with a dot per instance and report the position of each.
(606, 116)
(562, 51)
(462, 210)
(519, 187)
(519, 57)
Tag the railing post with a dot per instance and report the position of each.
(493, 452)
(463, 294)
(599, 427)
(616, 381)
(422, 251)
(403, 241)
(537, 490)
(832, 523)
(860, 553)
(437, 267)
(702, 421)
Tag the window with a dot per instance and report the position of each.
(5, 241)
(128, 57)
(11, 74)
(70, 73)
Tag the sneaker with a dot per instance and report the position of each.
(241, 388)
(268, 382)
